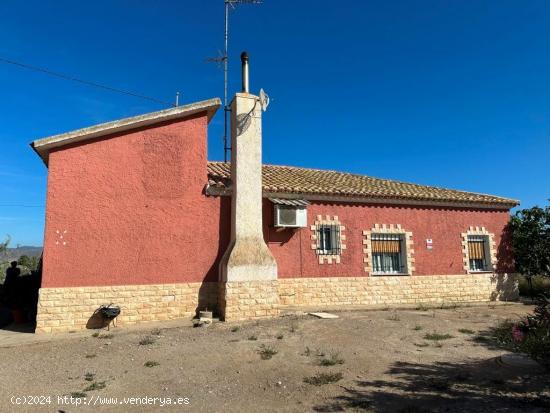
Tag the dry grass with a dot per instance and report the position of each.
(321, 379)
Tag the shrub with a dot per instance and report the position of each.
(437, 336)
(540, 285)
(96, 385)
(331, 360)
(151, 364)
(323, 378)
(266, 352)
(147, 340)
(530, 335)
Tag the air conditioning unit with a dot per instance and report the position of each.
(290, 216)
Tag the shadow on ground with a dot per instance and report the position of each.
(477, 386)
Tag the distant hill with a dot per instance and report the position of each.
(15, 253)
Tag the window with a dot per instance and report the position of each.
(328, 239)
(477, 252)
(388, 254)
(327, 234)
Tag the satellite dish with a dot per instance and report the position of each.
(264, 100)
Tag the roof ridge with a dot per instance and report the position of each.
(407, 186)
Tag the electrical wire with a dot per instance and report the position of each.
(21, 206)
(85, 82)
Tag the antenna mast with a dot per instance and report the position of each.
(225, 59)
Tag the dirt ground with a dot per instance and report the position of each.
(386, 360)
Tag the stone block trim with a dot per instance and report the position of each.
(492, 246)
(68, 309)
(388, 229)
(395, 290)
(329, 259)
(249, 300)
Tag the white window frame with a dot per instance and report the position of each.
(402, 255)
(324, 255)
(487, 266)
(407, 249)
(490, 250)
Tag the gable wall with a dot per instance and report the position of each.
(129, 209)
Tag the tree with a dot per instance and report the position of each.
(4, 245)
(531, 241)
(29, 262)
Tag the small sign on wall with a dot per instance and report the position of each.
(429, 244)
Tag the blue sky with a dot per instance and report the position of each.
(447, 93)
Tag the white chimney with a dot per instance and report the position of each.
(248, 269)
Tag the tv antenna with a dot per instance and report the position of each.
(223, 59)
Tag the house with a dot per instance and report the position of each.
(137, 216)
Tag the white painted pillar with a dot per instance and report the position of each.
(248, 258)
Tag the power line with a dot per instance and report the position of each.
(21, 206)
(85, 82)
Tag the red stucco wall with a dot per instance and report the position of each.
(131, 210)
(295, 258)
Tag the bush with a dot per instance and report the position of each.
(323, 378)
(151, 364)
(530, 335)
(332, 360)
(267, 352)
(540, 285)
(147, 341)
(437, 336)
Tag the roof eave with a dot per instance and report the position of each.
(43, 146)
(217, 191)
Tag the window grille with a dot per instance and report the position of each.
(477, 246)
(328, 239)
(387, 253)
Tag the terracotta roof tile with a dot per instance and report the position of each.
(294, 180)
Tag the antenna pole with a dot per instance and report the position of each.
(225, 79)
(225, 59)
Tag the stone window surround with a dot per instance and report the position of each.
(388, 229)
(329, 259)
(492, 248)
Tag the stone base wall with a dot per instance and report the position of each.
(396, 290)
(68, 309)
(248, 300)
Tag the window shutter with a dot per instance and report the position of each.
(476, 249)
(386, 244)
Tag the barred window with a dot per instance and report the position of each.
(478, 252)
(388, 251)
(328, 239)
